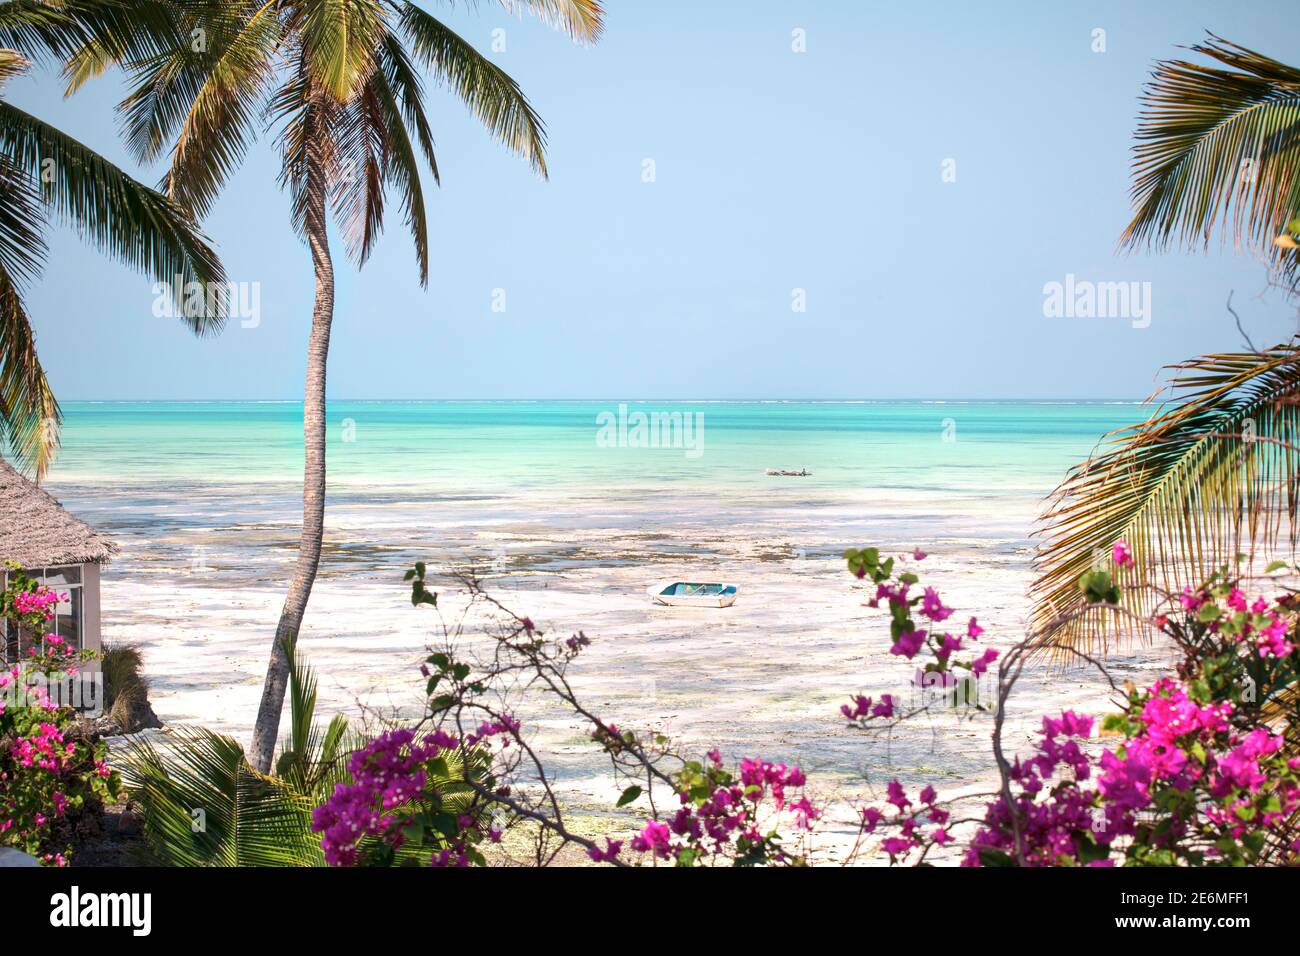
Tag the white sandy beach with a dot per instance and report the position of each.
(764, 677)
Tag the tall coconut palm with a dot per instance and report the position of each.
(48, 177)
(338, 82)
(1214, 470)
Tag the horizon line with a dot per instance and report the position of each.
(625, 401)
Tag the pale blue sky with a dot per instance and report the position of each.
(775, 171)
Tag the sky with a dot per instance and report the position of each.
(875, 216)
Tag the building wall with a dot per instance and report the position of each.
(90, 626)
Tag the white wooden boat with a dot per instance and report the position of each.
(692, 594)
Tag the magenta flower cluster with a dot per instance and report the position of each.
(1259, 624)
(44, 771)
(1072, 808)
(728, 820)
(1195, 779)
(388, 774)
(895, 588)
(38, 603)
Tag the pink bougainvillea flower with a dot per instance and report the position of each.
(871, 818)
(611, 851)
(981, 663)
(947, 647)
(908, 643)
(897, 846)
(654, 838)
(897, 795)
(933, 608)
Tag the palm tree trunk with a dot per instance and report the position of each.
(313, 486)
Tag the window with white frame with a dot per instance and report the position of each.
(68, 614)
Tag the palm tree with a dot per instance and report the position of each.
(338, 82)
(47, 176)
(1214, 470)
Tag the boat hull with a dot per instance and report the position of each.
(687, 600)
(686, 594)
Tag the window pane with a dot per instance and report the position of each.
(68, 625)
(57, 576)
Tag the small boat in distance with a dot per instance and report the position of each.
(801, 473)
(694, 595)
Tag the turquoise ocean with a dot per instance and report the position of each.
(959, 446)
(411, 477)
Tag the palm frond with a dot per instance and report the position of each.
(361, 151)
(39, 29)
(313, 761)
(1217, 145)
(1213, 472)
(338, 40)
(485, 88)
(583, 20)
(302, 699)
(298, 751)
(405, 83)
(402, 169)
(22, 218)
(12, 63)
(119, 215)
(209, 99)
(29, 415)
(307, 118)
(90, 36)
(203, 805)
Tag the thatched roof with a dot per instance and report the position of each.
(36, 532)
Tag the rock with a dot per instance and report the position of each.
(131, 720)
(142, 717)
(128, 824)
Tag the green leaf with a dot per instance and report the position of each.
(630, 794)
(1090, 851)
(445, 824)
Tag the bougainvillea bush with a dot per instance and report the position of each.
(1199, 768)
(48, 767)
